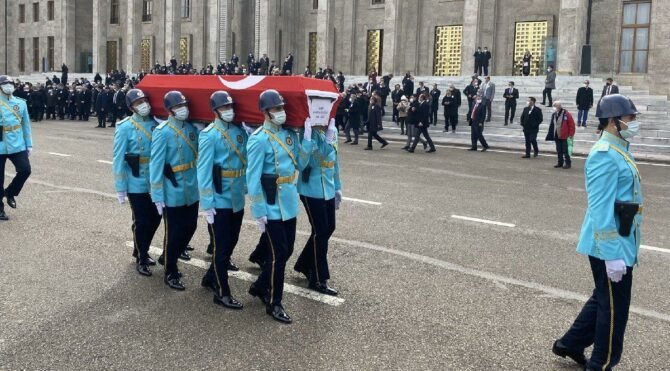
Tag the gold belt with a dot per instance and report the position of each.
(233, 173)
(287, 179)
(639, 210)
(144, 160)
(11, 128)
(183, 167)
(327, 164)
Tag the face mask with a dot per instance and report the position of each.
(8, 89)
(181, 113)
(227, 116)
(554, 109)
(279, 118)
(633, 129)
(586, 85)
(143, 109)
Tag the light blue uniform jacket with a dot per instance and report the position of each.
(15, 124)
(132, 136)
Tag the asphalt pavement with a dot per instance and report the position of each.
(447, 261)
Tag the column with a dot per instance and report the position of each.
(68, 27)
(264, 28)
(324, 33)
(470, 35)
(172, 29)
(488, 13)
(214, 25)
(571, 35)
(133, 36)
(391, 26)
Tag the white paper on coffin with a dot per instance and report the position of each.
(320, 104)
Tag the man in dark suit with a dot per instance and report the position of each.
(511, 94)
(101, 106)
(371, 86)
(486, 60)
(118, 105)
(478, 60)
(531, 118)
(609, 88)
(408, 85)
(422, 90)
(477, 118)
(584, 103)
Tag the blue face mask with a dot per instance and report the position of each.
(632, 130)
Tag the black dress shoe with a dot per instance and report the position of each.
(174, 282)
(567, 166)
(385, 144)
(3, 216)
(425, 145)
(210, 249)
(161, 259)
(144, 270)
(535, 154)
(277, 312)
(368, 148)
(431, 150)
(354, 143)
(11, 202)
(472, 149)
(258, 293)
(228, 302)
(485, 149)
(189, 248)
(347, 141)
(206, 282)
(525, 156)
(557, 166)
(405, 148)
(150, 261)
(232, 267)
(560, 350)
(184, 256)
(410, 150)
(323, 288)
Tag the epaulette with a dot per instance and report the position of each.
(601, 146)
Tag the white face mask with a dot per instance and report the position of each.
(586, 85)
(633, 129)
(181, 113)
(8, 89)
(227, 115)
(554, 109)
(279, 118)
(144, 109)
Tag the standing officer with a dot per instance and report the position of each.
(132, 150)
(61, 101)
(16, 142)
(320, 191)
(531, 118)
(275, 158)
(434, 104)
(610, 237)
(174, 184)
(221, 181)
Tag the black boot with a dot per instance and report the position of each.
(3, 216)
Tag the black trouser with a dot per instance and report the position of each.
(339, 122)
(102, 119)
(395, 112)
(22, 167)
(450, 120)
(281, 237)
(602, 321)
(117, 113)
(61, 112)
(347, 131)
(373, 134)
(423, 129)
(39, 113)
(477, 134)
(546, 93)
(145, 223)
(262, 251)
(510, 109)
(433, 115)
(225, 233)
(531, 140)
(180, 225)
(313, 261)
(562, 152)
(51, 113)
(488, 109)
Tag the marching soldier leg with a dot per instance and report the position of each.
(261, 252)
(305, 263)
(145, 223)
(224, 237)
(22, 166)
(190, 224)
(174, 235)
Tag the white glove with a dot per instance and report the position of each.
(331, 133)
(248, 129)
(121, 196)
(338, 199)
(308, 129)
(616, 269)
(209, 215)
(30, 151)
(160, 206)
(261, 222)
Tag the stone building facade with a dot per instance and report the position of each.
(628, 38)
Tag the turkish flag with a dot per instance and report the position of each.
(303, 97)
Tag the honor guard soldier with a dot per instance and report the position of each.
(16, 142)
(174, 183)
(132, 151)
(320, 192)
(222, 164)
(275, 159)
(610, 237)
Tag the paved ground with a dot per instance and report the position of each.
(419, 288)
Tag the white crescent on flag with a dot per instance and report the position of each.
(245, 83)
